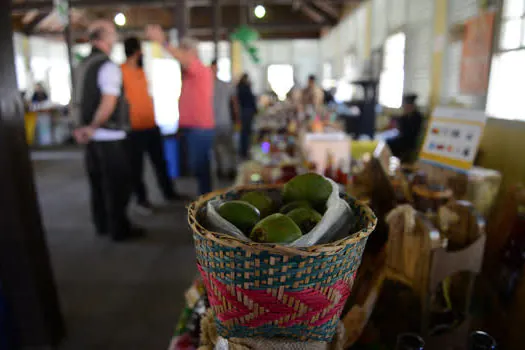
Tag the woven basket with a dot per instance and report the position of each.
(268, 290)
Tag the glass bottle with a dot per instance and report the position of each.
(410, 341)
(342, 173)
(329, 169)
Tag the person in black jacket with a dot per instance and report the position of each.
(248, 107)
(102, 110)
(40, 94)
(409, 126)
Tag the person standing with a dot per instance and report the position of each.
(312, 97)
(409, 126)
(224, 96)
(103, 114)
(248, 110)
(145, 136)
(196, 120)
(40, 94)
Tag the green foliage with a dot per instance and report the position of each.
(247, 36)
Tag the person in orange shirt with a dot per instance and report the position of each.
(145, 136)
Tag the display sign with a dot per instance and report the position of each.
(453, 137)
(476, 55)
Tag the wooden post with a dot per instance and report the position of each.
(69, 42)
(440, 42)
(25, 271)
(216, 26)
(182, 15)
(243, 12)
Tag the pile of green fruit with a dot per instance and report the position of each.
(264, 220)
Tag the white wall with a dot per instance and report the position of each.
(303, 55)
(419, 30)
(348, 38)
(22, 70)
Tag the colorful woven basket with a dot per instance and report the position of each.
(266, 290)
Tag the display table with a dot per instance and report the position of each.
(47, 125)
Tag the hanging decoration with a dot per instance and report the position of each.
(61, 9)
(247, 37)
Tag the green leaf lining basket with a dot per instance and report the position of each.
(268, 290)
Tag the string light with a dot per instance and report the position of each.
(120, 19)
(259, 11)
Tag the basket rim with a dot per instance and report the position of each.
(233, 242)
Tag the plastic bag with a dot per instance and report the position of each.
(337, 222)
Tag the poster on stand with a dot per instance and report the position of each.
(453, 137)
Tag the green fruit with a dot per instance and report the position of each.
(305, 218)
(241, 214)
(259, 200)
(285, 209)
(276, 228)
(310, 187)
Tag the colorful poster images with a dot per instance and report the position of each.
(453, 138)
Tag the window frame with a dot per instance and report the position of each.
(498, 55)
(504, 19)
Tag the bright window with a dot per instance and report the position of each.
(280, 77)
(21, 73)
(328, 79)
(507, 76)
(166, 93)
(505, 96)
(60, 84)
(391, 79)
(225, 69)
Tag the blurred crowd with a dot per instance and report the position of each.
(117, 124)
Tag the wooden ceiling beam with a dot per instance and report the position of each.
(224, 30)
(309, 11)
(47, 5)
(35, 21)
(327, 8)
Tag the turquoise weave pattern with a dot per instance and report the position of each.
(266, 270)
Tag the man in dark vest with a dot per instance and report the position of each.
(101, 109)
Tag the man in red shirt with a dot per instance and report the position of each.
(196, 119)
(145, 136)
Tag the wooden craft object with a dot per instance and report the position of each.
(393, 170)
(419, 259)
(367, 287)
(409, 251)
(479, 185)
(428, 200)
(499, 228)
(466, 229)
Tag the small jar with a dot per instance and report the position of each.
(429, 198)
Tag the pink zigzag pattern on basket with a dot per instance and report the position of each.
(214, 299)
(266, 301)
(316, 301)
(240, 310)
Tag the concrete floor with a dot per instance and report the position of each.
(113, 296)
